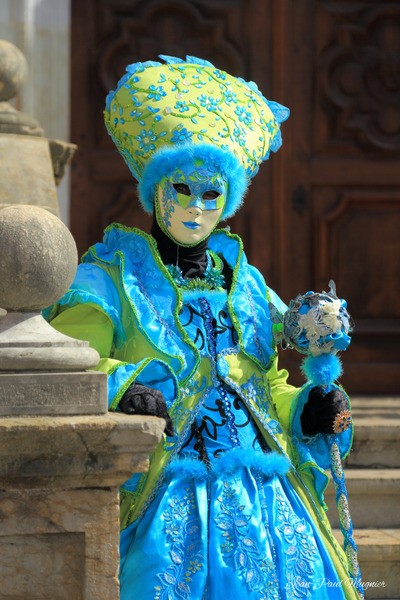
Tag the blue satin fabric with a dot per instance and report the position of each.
(239, 535)
(232, 528)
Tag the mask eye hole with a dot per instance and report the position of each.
(211, 195)
(182, 188)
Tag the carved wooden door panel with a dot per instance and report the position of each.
(340, 200)
(327, 205)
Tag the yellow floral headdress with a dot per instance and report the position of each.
(180, 103)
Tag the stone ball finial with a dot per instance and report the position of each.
(13, 70)
(38, 258)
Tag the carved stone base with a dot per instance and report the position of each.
(60, 545)
(59, 479)
(53, 393)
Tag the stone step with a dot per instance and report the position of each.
(376, 443)
(377, 433)
(375, 406)
(374, 498)
(379, 558)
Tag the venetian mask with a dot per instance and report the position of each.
(190, 203)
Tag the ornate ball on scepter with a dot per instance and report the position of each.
(317, 325)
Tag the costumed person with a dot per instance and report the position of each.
(232, 503)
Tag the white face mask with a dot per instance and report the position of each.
(190, 203)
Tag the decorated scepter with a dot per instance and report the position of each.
(318, 325)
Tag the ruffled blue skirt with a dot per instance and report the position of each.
(237, 531)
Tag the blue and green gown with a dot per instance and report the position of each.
(233, 502)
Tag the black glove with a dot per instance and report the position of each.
(319, 412)
(142, 400)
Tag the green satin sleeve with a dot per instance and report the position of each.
(284, 395)
(87, 322)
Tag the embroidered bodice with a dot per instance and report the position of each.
(223, 421)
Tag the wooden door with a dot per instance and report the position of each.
(327, 205)
(338, 191)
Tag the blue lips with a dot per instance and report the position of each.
(190, 224)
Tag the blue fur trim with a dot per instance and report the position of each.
(323, 369)
(281, 113)
(169, 158)
(173, 60)
(187, 468)
(269, 464)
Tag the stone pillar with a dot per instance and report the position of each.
(42, 31)
(62, 455)
(26, 155)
